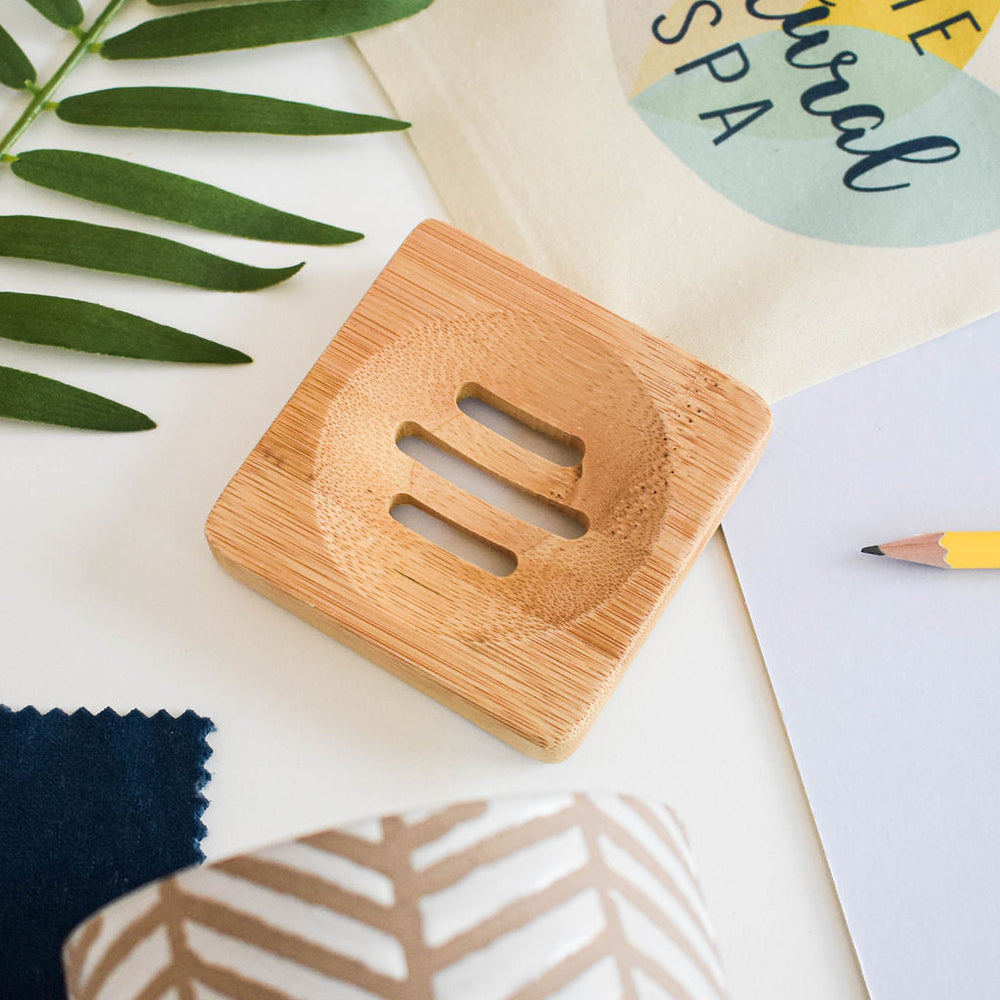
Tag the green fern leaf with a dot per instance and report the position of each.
(191, 109)
(250, 25)
(178, 3)
(122, 251)
(97, 329)
(27, 396)
(65, 13)
(15, 67)
(87, 326)
(147, 191)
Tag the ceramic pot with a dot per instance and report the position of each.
(575, 897)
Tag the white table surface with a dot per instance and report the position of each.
(111, 597)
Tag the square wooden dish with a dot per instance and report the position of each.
(531, 657)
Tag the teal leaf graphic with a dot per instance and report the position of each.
(929, 197)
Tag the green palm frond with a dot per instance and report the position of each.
(15, 67)
(64, 13)
(195, 110)
(251, 25)
(29, 396)
(86, 326)
(147, 190)
(124, 251)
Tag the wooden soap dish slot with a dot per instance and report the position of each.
(663, 441)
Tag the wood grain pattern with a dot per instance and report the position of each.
(532, 656)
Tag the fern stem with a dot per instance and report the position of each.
(41, 95)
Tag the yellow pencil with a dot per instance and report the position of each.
(947, 549)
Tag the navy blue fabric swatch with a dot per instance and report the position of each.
(91, 807)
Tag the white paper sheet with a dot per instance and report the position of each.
(887, 673)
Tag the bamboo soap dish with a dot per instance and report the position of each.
(530, 656)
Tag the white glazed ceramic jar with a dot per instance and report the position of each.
(576, 897)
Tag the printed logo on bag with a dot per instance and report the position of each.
(866, 122)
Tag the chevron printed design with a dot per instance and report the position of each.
(575, 897)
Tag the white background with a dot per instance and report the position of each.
(887, 672)
(110, 596)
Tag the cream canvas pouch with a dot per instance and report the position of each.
(786, 191)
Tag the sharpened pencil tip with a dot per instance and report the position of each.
(873, 550)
